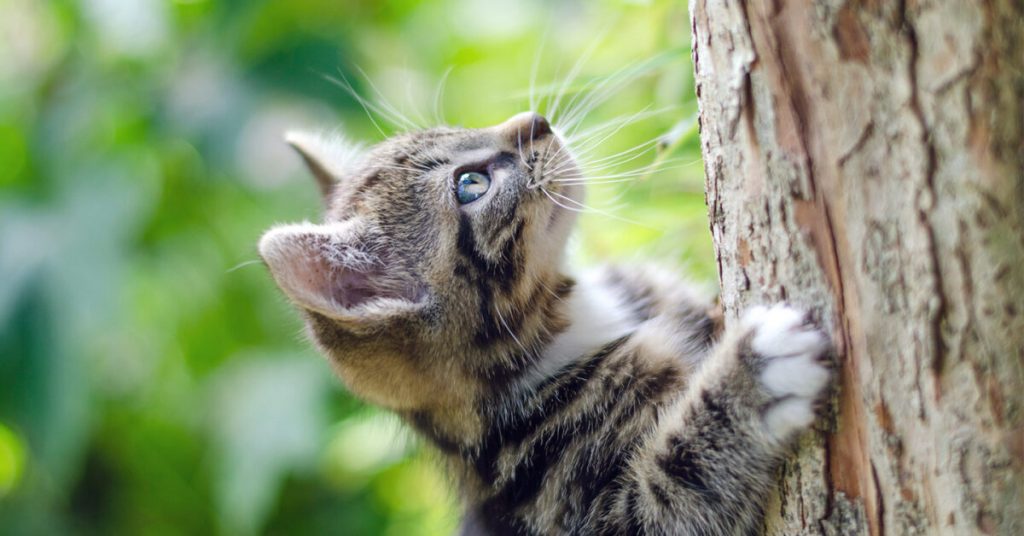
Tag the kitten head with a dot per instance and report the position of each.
(437, 266)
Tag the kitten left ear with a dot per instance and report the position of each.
(328, 156)
(333, 269)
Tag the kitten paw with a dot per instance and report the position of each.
(791, 350)
(788, 416)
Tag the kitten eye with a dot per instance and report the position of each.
(472, 186)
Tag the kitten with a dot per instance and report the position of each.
(593, 405)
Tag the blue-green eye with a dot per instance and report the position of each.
(472, 186)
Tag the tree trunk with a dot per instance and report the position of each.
(866, 159)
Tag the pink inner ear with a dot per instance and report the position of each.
(323, 270)
(351, 285)
(350, 288)
(332, 273)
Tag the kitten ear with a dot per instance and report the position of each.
(328, 156)
(330, 269)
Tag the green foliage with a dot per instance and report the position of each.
(152, 379)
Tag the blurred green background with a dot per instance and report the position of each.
(152, 379)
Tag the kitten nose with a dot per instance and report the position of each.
(526, 126)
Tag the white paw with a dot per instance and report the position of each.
(791, 350)
(788, 416)
(782, 331)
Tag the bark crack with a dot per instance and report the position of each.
(879, 501)
(937, 316)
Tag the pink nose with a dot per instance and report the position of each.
(526, 126)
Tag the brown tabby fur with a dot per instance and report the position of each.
(463, 321)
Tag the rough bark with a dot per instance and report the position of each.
(866, 159)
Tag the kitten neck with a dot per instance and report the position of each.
(590, 314)
(596, 316)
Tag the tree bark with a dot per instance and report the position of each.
(865, 159)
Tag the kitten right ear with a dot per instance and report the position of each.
(328, 157)
(334, 269)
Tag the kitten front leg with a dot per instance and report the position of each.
(710, 466)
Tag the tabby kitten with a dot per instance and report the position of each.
(598, 404)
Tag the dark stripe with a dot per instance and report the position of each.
(703, 328)
(541, 302)
(371, 179)
(633, 525)
(682, 463)
(660, 495)
(564, 287)
(490, 330)
(557, 392)
(544, 453)
(505, 270)
(639, 297)
(715, 411)
(462, 271)
(689, 457)
(406, 160)
(490, 521)
(624, 523)
(422, 423)
(509, 215)
(601, 477)
(655, 384)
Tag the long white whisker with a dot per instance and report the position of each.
(570, 77)
(613, 177)
(438, 97)
(404, 121)
(581, 149)
(608, 87)
(243, 264)
(621, 158)
(535, 67)
(366, 105)
(595, 130)
(592, 145)
(607, 162)
(592, 209)
(414, 109)
(509, 330)
(519, 147)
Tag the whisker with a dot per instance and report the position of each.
(509, 330)
(535, 67)
(584, 209)
(549, 291)
(439, 94)
(583, 135)
(637, 176)
(571, 76)
(519, 147)
(592, 145)
(366, 105)
(609, 86)
(619, 159)
(611, 161)
(243, 264)
(414, 109)
(404, 121)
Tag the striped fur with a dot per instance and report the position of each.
(599, 404)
